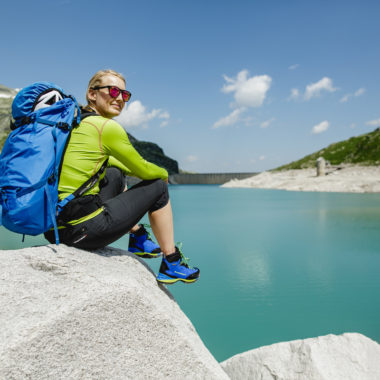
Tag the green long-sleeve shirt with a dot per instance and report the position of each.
(91, 143)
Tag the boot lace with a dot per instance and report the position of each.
(184, 260)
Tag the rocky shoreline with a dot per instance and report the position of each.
(346, 179)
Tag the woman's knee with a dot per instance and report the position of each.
(114, 174)
(114, 179)
(161, 187)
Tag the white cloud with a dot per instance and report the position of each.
(166, 116)
(266, 123)
(136, 115)
(262, 158)
(191, 158)
(345, 98)
(315, 89)
(230, 119)
(358, 92)
(294, 94)
(248, 91)
(374, 123)
(321, 127)
(293, 67)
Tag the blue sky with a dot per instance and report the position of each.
(221, 86)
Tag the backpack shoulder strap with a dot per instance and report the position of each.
(86, 112)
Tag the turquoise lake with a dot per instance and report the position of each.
(275, 265)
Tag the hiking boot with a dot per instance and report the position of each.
(175, 268)
(141, 244)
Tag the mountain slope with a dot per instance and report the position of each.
(6, 98)
(359, 150)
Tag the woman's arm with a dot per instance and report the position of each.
(115, 143)
(112, 161)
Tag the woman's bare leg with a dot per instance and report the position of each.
(134, 229)
(161, 222)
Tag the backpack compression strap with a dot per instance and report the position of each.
(85, 187)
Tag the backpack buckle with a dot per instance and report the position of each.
(51, 179)
(63, 126)
(22, 121)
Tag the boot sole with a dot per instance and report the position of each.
(174, 280)
(147, 255)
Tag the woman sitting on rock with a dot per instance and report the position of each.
(106, 211)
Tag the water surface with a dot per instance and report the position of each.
(275, 265)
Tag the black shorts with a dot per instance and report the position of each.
(122, 210)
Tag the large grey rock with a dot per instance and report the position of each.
(344, 357)
(71, 314)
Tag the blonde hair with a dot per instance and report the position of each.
(97, 78)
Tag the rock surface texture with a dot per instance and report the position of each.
(71, 314)
(349, 356)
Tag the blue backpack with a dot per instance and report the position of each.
(31, 157)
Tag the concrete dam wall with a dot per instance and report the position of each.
(198, 179)
(206, 178)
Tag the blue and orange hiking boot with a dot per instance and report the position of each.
(141, 244)
(175, 268)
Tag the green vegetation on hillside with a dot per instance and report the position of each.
(359, 150)
(5, 118)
